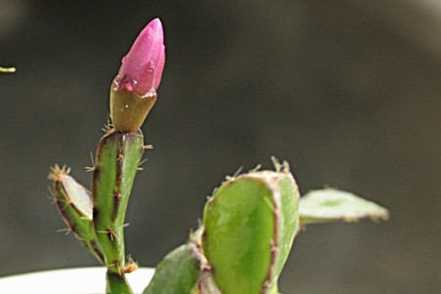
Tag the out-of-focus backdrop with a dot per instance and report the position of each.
(349, 92)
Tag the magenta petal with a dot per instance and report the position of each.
(159, 68)
(141, 69)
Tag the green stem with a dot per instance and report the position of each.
(117, 160)
(117, 284)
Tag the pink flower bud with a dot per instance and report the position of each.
(142, 67)
(133, 91)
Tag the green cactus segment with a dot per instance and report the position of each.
(330, 205)
(117, 284)
(249, 226)
(290, 222)
(75, 205)
(239, 227)
(117, 159)
(178, 272)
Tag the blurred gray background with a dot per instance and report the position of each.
(347, 91)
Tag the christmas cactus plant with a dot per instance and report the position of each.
(248, 224)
